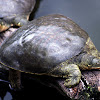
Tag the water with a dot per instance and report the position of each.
(8, 96)
(84, 12)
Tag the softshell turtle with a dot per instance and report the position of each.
(51, 45)
(14, 12)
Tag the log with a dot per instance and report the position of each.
(87, 89)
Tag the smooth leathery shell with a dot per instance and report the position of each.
(11, 8)
(14, 13)
(42, 44)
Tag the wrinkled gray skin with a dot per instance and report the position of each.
(51, 45)
(14, 12)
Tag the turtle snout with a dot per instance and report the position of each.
(96, 63)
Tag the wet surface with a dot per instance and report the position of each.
(32, 89)
(86, 13)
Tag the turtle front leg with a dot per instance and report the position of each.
(70, 72)
(74, 75)
(15, 79)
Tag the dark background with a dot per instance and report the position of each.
(86, 13)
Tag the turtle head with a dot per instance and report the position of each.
(17, 20)
(20, 20)
(90, 56)
(95, 63)
(90, 62)
(3, 25)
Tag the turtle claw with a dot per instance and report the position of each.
(15, 89)
(11, 87)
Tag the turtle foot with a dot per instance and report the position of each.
(15, 79)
